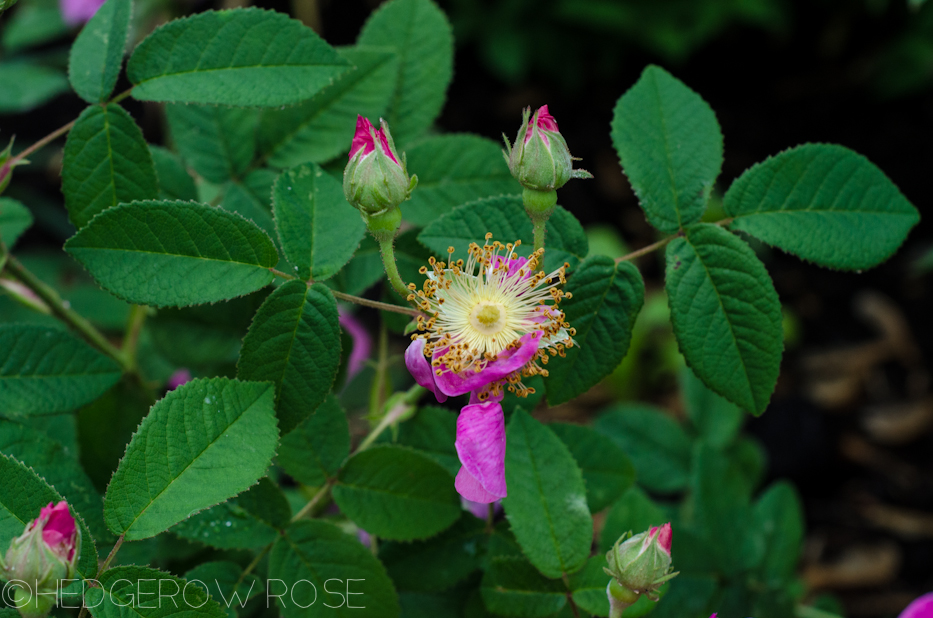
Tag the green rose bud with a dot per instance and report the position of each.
(540, 159)
(639, 565)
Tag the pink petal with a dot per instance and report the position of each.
(75, 12)
(921, 607)
(385, 145)
(474, 397)
(362, 139)
(181, 376)
(545, 120)
(481, 448)
(362, 343)
(59, 529)
(453, 384)
(665, 537)
(420, 369)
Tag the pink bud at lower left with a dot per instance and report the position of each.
(46, 552)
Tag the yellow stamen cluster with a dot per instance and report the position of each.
(479, 309)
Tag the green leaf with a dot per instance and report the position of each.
(47, 370)
(57, 465)
(607, 471)
(141, 592)
(657, 444)
(175, 183)
(720, 504)
(217, 142)
(318, 446)
(242, 57)
(252, 519)
(318, 229)
(202, 443)
(106, 162)
(823, 203)
(779, 519)
(440, 562)
(633, 512)
(204, 336)
(670, 146)
(317, 552)
(512, 587)
(22, 496)
(606, 300)
(32, 23)
(252, 198)
(97, 53)
(15, 219)
(322, 128)
(433, 431)
(505, 217)
(27, 85)
(294, 342)
(691, 595)
(726, 315)
(717, 420)
(174, 253)
(546, 505)
(421, 36)
(589, 587)
(452, 170)
(397, 493)
(226, 585)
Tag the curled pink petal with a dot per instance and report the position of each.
(362, 139)
(384, 142)
(511, 360)
(921, 607)
(544, 121)
(481, 448)
(421, 370)
(59, 530)
(665, 537)
(362, 343)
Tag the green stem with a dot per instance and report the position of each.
(133, 329)
(646, 250)
(804, 611)
(377, 391)
(66, 313)
(375, 304)
(252, 565)
(4, 256)
(322, 493)
(388, 260)
(539, 228)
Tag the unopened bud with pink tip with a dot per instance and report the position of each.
(540, 159)
(376, 179)
(42, 556)
(638, 564)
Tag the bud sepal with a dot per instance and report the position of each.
(7, 163)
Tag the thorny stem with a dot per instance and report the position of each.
(388, 260)
(375, 304)
(65, 313)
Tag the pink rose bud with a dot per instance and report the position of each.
(639, 565)
(540, 159)
(43, 555)
(376, 179)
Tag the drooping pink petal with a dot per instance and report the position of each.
(921, 607)
(420, 369)
(76, 12)
(481, 448)
(511, 360)
(362, 139)
(362, 343)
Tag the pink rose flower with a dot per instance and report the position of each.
(77, 12)
(59, 531)
(921, 607)
(493, 319)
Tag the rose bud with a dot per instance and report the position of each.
(376, 179)
(41, 557)
(540, 159)
(639, 565)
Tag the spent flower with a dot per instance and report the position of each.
(491, 321)
(376, 179)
